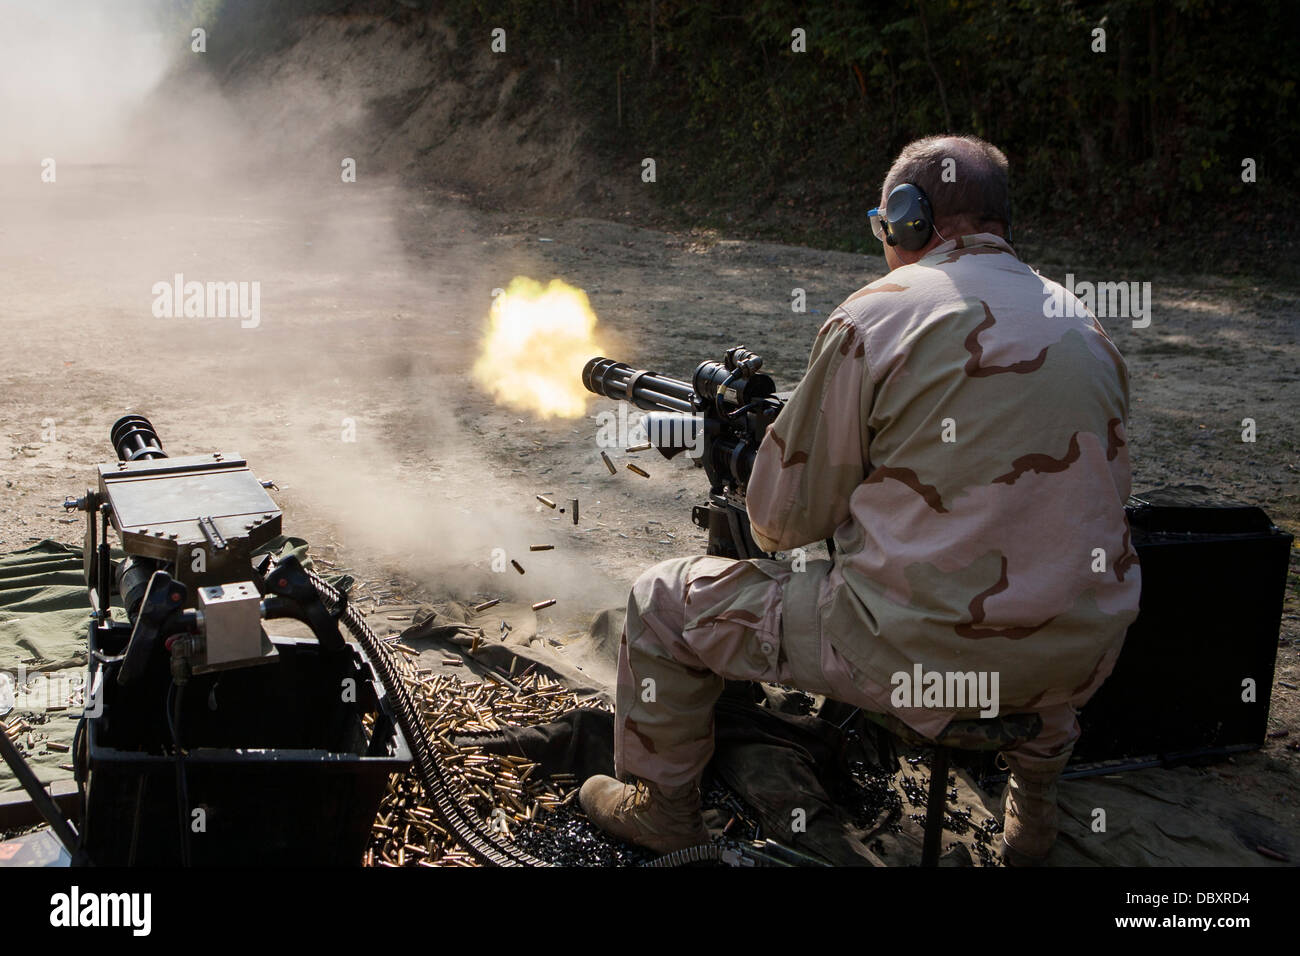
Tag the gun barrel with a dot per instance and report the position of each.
(134, 438)
(648, 390)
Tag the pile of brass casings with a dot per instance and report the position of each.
(507, 792)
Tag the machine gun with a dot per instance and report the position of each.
(719, 419)
(205, 739)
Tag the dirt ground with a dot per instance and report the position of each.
(373, 301)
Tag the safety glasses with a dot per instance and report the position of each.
(877, 223)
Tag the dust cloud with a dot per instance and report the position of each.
(71, 73)
(371, 295)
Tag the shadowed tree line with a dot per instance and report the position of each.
(1135, 153)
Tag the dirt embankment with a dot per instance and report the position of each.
(402, 95)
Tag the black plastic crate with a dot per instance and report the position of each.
(279, 761)
(1213, 582)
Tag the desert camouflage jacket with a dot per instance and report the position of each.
(966, 450)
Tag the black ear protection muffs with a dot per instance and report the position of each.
(908, 219)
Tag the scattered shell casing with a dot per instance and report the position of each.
(518, 567)
(640, 471)
(608, 464)
(541, 547)
(644, 446)
(478, 608)
(543, 604)
(546, 501)
(573, 509)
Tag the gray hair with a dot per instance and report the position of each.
(964, 177)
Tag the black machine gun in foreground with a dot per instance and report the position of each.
(205, 739)
(718, 418)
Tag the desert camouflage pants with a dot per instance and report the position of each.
(694, 622)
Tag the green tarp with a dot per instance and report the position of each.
(44, 613)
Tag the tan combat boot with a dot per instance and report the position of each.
(1029, 809)
(662, 819)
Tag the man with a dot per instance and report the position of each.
(964, 444)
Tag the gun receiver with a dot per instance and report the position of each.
(719, 419)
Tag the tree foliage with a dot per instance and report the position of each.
(1135, 149)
